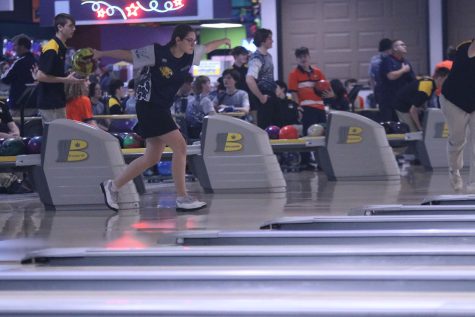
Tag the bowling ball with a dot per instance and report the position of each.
(12, 147)
(34, 145)
(273, 131)
(386, 126)
(401, 128)
(288, 132)
(315, 130)
(132, 141)
(119, 138)
(393, 127)
(25, 140)
(83, 64)
(291, 159)
(121, 125)
(321, 86)
(165, 168)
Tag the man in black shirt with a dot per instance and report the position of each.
(411, 98)
(19, 74)
(51, 73)
(395, 72)
(458, 105)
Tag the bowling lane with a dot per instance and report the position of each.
(26, 226)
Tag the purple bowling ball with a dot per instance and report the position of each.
(34, 145)
(273, 132)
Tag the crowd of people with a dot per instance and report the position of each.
(248, 87)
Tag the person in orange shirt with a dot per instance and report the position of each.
(302, 80)
(78, 104)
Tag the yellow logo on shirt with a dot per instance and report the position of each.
(166, 72)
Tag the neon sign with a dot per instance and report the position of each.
(104, 9)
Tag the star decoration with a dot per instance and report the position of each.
(178, 3)
(132, 10)
(101, 13)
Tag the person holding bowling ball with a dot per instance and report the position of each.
(163, 69)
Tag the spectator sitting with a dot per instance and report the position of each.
(412, 97)
(116, 93)
(9, 182)
(98, 108)
(180, 104)
(289, 110)
(199, 107)
(78, 104)
(340, 102)
(131, 100)
(352, 89)
(232, 99)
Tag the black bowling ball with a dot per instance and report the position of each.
(386, 126)
(401, 128)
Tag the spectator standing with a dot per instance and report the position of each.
(384, 49)
(396, 72)
(19, 74)
(51, 74)
(260, 78)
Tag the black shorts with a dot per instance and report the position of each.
(153, 121)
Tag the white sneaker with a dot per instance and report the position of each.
(189, 203)
(111, 197)
(456, 180)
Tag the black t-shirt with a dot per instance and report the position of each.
(5, 118)
(242, 70)
(459, 87)
(414, 94)
(114, 106)
(253, 101)
(162, 74)
(52, 95)
(389, 87)
(17, 76)
(288, 112)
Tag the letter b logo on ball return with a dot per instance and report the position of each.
(72, 151)
(350, 135)
(228, 142)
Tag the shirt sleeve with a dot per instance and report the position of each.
(245, 101)
(87, 105)
(9, 76)
(292, 79)
(207, 105)
(47, 61)
(144, 56)
(114, 106)
(254, 68)
(200, 51)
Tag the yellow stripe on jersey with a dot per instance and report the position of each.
(51, 45)
(426, 86)
(112, 102)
